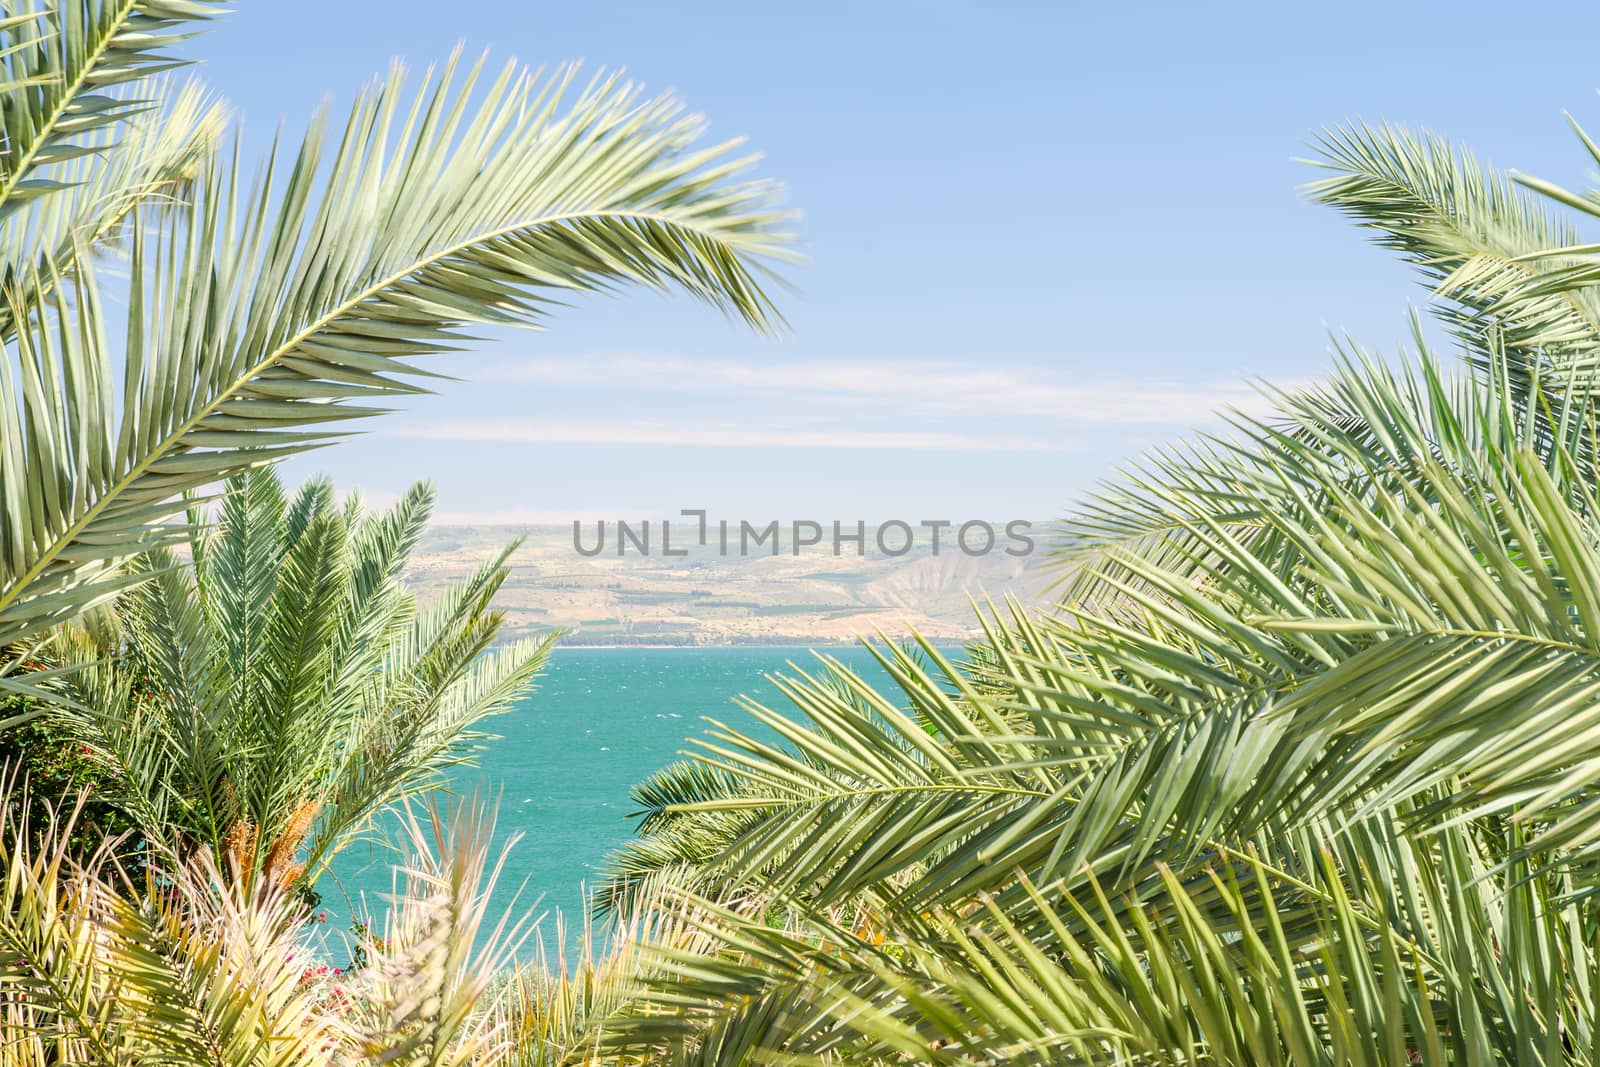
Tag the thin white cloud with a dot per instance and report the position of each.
(937, 388)
(535, 517)
(668, 435)
(377, 499)
(371, 499)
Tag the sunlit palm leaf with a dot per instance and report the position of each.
(57, 58)
(265, 316)
(1467, 228)
(286, 686)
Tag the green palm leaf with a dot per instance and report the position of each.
(59, 57)
(260, 320)
(286, 689)
(1469, 230)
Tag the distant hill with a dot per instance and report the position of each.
(705, 598)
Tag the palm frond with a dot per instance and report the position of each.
(1471, 233)
(261, 319)
(284, 685)
(421, 998)
(57, 59)
(158, 152)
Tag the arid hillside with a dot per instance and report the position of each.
(706, 598)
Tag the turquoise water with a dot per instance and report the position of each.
(601, 720)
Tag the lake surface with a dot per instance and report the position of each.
(601, 721)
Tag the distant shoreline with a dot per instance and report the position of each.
(668, 602)
(735, 644)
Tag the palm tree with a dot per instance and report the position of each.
(285, 687)
(258, 310)
(196, 968)
(266, 308)
(1300, 769)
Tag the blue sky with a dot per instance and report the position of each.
(1041, 237)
